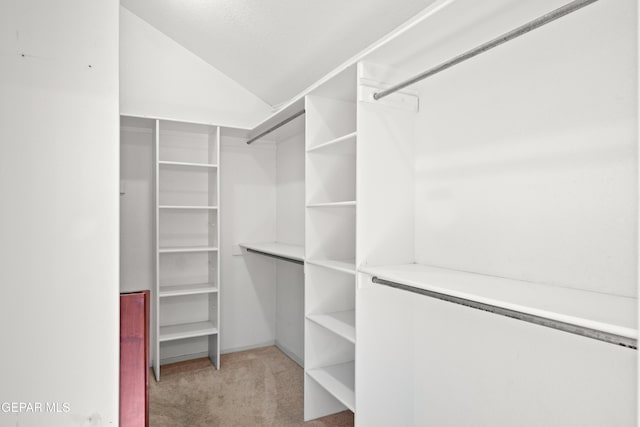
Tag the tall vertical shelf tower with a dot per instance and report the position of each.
(330, 247)
(186, 300)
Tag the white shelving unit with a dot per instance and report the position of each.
(330, 316)
(186, 308)
(490, 272)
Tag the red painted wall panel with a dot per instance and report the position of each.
(134, 357)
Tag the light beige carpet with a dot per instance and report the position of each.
(261, 387)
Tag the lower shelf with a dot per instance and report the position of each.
(339, 381)
(187, 330)
(193, 289)
(342, 323)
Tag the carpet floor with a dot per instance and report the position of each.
(261, 387)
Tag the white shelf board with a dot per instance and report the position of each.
(186, 330)
(276, 248)
(347, 203)
(187, 164)
(188, 249)
(348, 139)
(187, 207)
(191, 289)
(346, 266)
(342, 323)
(338, 380)
(599, 311)
(288, 110)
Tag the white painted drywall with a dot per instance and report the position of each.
(59, 222)
(159, 78)
(290, 202)
(248, 214)
(137, 205)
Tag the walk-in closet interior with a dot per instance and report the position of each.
(442, 231)
(439, 229)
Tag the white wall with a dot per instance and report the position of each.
(59, 222)
(137, 205)
(290, 229)
(248, 214)
(159, 78)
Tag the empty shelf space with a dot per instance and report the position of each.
(186, 330)
(347, 203)
(342, 323)
(171, 250)
(187, 164)
(338, 380)
(591, 310)
(346, 266)
(192, 289)
(341, 142)
(187, 207)
(283, 250)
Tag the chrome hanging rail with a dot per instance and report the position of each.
(280, 257)
(524, 29)
(584, 331)
(279, 125)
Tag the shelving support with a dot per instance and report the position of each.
(518, 315)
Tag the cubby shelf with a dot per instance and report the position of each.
(594, 310)
(188, 164)
(348, 203)
(345, 266)
(175, 207)
(338, 380)
(335, 143)
(186, 330)
(342, 323)
(191, 289)
(187, 249)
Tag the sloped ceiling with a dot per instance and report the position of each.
(275, 48)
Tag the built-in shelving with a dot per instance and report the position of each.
(188, 164)
(186, 311)
(348, 203)
(190, 289)
(345, 266)
(174, 250)
(338, 380)
(342, 323)
(330, 279)
(187, 330)
(188, 207)
(345, 142)
(603, 312)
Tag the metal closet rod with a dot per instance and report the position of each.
(281, 258)
(524, 29)
(279, 125)
(518, 315)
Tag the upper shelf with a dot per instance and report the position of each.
(180, 207)
(284, 250)
(180, 249)
(597, 311)
(187, 164)
(346, 203)
(344, 145)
